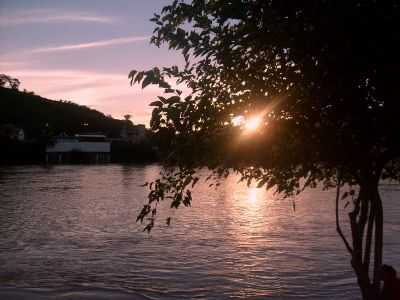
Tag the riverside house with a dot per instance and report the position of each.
(94, 148)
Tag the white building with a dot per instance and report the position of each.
(80, 148)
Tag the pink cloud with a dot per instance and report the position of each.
(97, 44)
(49, 16)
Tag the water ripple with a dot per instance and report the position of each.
(71, 231)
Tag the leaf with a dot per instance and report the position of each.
(148, 80)
(270, 184)
(163, 84)
(177, 201)
(262, 182)
(139, 77)
(143, 213)
(195, 181)
(156, 103)
(173, 99)
(132, 73)
(187, 181)
(149, 227)
(162, 99)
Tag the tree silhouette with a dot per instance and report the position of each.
(9, 82)
(34, 114)
(322, 75)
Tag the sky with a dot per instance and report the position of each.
(83, 51)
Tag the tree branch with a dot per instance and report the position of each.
(378, 237)
(338, 228)
(368, 241)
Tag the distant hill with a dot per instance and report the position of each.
(36, 115)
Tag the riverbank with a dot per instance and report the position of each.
(34, 153)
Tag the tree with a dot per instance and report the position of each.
(32, 113)
(8, 81)
(321, 74)
(8, 132)
(127, 117)
(128, 121)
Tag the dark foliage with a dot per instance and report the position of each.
(123, 152)
(14, 152)
(40, 116)
(9, 82)
(321, 74)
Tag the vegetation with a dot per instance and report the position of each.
(41, 119)
(7, 81)
(36, 115)
(321, 75)
(122, 152)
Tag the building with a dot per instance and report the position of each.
(134, 134)
(93, 148)
(138, 134)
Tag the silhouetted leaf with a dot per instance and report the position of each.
(156, 103)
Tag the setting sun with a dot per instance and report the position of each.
(253, 123)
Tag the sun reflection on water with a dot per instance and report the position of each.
(248, 207)
(253, 195)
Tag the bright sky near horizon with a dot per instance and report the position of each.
(82, 51)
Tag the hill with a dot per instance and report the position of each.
(42, 119)
(38, 115)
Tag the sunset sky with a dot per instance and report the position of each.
(82, 51)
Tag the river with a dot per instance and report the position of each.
(70, 232)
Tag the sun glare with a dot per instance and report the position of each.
(253, 123)
(237, 121)
(252, 195)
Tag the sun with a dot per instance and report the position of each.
(252, 123)
(248, 125)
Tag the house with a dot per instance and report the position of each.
(138, 134)
(134, 134)
(79, 148)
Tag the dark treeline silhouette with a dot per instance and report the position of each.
(38, 116)
(322, 78)
(144, 152)
(41, 120)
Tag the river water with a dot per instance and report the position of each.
(70, 232)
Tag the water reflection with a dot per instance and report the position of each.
(247, 206)
(254, 194)
(75, 226)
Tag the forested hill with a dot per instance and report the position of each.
(38, 116)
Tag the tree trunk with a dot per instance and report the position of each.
(366, 224)
(370, 214)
